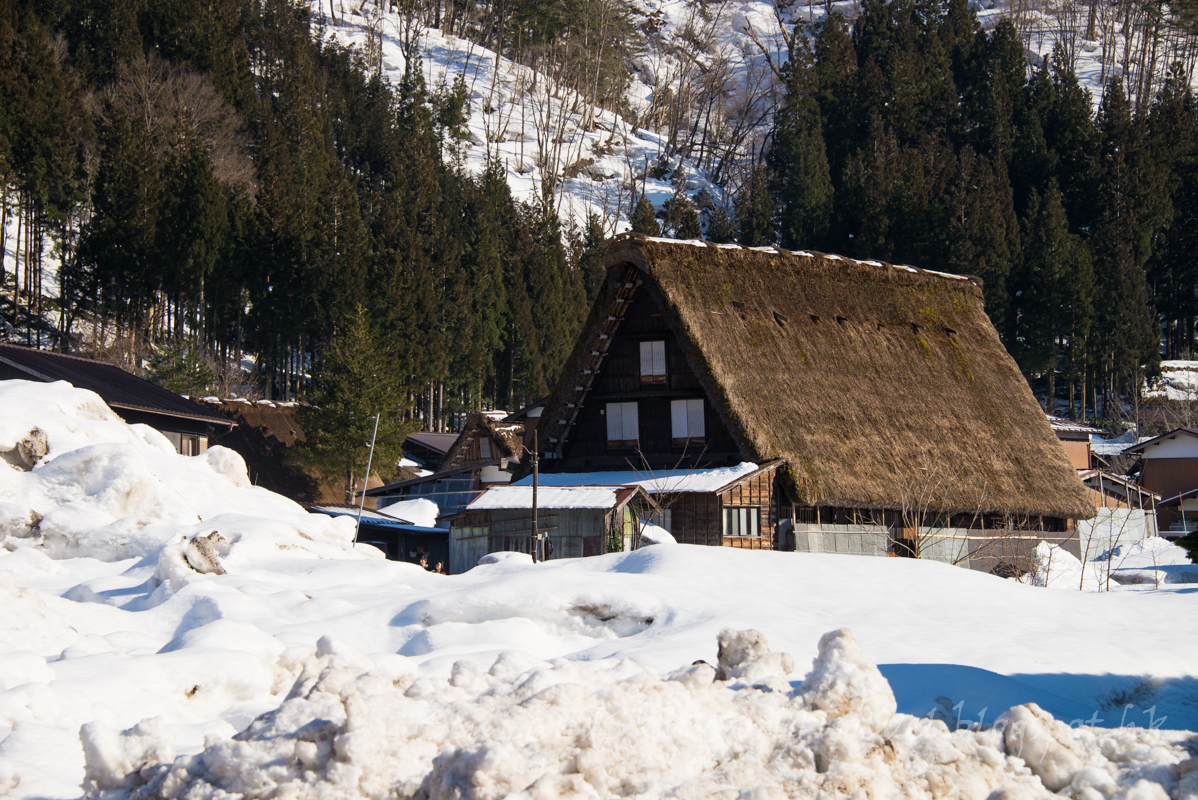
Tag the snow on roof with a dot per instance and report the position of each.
(653, 481)
(1062, 425)
(506, 497)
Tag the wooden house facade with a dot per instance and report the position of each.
(880, 393)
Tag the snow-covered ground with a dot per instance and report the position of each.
(228, 633)
(1178, 381)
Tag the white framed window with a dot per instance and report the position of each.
(653, 362)
(742, 521)
(622, 423)
(686, 419)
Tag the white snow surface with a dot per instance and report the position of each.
(421, 511)
(171, 631)
(661, 481)
(1178, 381)
(502, 497)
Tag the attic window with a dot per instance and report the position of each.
(949, 331)
(484, 447)
(814, 318)
(623, 424)
(738, 305)
(653, 362)
(686, 420)
(780, 319)
(841, 320)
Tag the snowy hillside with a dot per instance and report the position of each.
(164, 597)
(533, 127)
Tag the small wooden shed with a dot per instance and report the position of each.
(577, 520)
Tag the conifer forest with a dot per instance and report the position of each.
(216, 180)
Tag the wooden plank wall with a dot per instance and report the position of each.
(757, 491)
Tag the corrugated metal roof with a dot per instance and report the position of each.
(552, 497)
(117, 388)
(1062, 425)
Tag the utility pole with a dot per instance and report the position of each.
(366, 480)
(536, 536)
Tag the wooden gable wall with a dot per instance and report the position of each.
(619, 380)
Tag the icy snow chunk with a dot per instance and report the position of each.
(203, 553)
(844, 680)
(114, 759)
(746, 655)
(1043, 743)
(228, 464)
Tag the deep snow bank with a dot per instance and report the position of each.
(76, 481)
(353, 727)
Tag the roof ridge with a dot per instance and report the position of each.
(629, 236)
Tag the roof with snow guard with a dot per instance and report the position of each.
(877, 384)
(571, 497)
(119, 389)
(662, 481)
(1067, 428)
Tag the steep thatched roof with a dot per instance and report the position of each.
(881, 386)
(504, 439)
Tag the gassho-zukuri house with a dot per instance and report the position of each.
(772, 399)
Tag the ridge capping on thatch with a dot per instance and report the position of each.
(882, 386)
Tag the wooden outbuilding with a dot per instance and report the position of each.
(901, 424)
(576, 520)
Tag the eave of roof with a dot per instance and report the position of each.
(118, 389)
(1164, 437)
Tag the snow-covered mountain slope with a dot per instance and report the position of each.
(162, 596)
(534, 128)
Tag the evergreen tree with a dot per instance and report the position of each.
(1055, 292)
(354, 381)
(644, 220)
(720, 227)
(755, 209)
(797, 159)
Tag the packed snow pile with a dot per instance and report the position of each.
(76, 481)
(1151, 562)
(168, 628)
(356, 727)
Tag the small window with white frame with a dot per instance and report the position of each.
(742, 521)
(687, 420)
(623, 425)
(653, 362)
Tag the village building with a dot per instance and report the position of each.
(1126, 511)
(484, 453)
(399, 539)
(1169, 468)
(189, 426)
(575, 521)
(874, 405)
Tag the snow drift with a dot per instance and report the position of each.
(168, 630)
(353, 727)
(76, 481)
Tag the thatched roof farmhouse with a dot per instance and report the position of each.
(882, 388)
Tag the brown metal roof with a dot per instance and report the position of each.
(119, 389)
